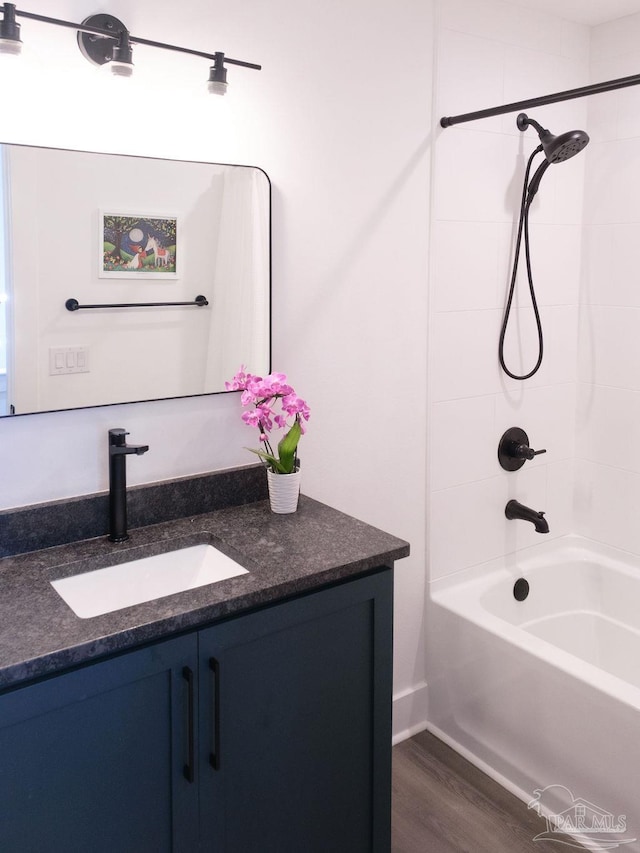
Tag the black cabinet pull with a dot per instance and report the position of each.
(214, 755)
(189, 772)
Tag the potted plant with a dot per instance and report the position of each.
(261, 397)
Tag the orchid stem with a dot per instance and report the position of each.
(265, 440)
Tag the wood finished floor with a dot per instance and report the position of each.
(443, 804)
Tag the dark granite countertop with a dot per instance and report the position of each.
(284, 554)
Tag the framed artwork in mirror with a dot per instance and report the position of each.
(136, 245)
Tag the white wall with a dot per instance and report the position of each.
(340, 119)
(491, 53)
(608, 473)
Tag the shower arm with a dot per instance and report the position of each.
(524, 121)
(556, 97)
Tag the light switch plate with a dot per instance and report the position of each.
(64, 360)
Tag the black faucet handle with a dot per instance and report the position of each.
(523, 451)
(118, 443)
(118, 437)
(514, 449)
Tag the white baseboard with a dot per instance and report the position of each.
(409, 712)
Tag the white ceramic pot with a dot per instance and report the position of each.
(283, 491)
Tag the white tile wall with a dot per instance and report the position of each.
(576, 41)
(464, 442)
(482, 55)
(608, 505)
(610, 346)
(607, 495)
(584, 404)
(504, 22)
(559, 505)
(611, 194)
(490, 53)
(464, 354)
(609, 426)
(628, 121)
(548, 416)
(465, 433)
(469, 526)
(555, 252)
(464, 350)
(466, 260)
(610, 261)
(530, 73)
(477, 177)
(615, 38)
(603, 109)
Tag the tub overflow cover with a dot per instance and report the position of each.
(520, 589)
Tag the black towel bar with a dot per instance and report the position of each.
(73, 304)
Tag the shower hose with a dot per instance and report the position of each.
(523, 227)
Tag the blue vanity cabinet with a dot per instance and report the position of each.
(94, 759)
(268, 732)
(295, 713)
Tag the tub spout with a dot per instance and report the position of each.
(514, 509)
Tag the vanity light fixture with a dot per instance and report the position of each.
(115, 50)
(218, 76)
(10, 31)
(103, 39)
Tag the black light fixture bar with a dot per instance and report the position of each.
(74, 305)
(174, 47)
(60, 23)
(556, 97)
(116, 36)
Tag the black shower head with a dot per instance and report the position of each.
(556, 149)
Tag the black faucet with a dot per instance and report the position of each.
(118, 452)
(514, 509)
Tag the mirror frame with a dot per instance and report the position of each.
(270, 275)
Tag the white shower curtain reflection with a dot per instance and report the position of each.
(241, 278)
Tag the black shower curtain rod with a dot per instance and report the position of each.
(568, 95)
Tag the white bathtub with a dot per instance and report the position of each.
(545, 693)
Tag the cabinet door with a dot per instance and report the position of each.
(295, 715)
(94, 760)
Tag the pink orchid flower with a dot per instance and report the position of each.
(263, 394)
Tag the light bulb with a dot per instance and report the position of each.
(217, 83)
(10, 47)
(120, 69)
(217, 87)
(122, 60)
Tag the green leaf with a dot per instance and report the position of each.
(287, 448)
(271, 461)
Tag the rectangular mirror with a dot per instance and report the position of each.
(85, 229)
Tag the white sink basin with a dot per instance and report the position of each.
(105, 590)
